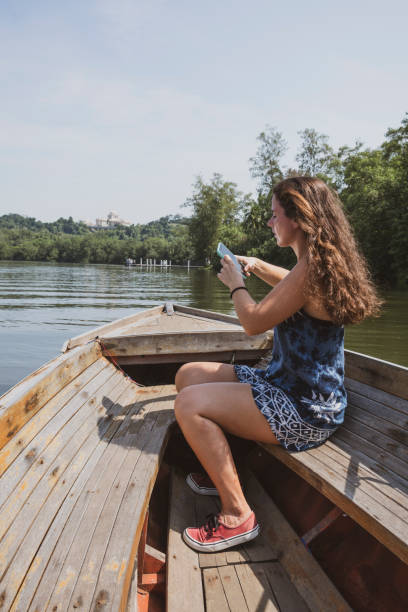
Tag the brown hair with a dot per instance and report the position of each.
(337, 271)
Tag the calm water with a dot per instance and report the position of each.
(42, 305)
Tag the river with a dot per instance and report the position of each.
(44, 304)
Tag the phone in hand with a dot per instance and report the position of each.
(223, 250)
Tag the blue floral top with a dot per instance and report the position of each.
(308, 363)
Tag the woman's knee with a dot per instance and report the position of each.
(188, 374)
(185, 404)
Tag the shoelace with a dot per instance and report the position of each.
(211, 524)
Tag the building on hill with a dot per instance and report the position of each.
(112, 220)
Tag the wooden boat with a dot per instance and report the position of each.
(93, 498)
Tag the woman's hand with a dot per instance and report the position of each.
(249, 263)
(229, 274)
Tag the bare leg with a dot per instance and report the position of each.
(198, 372)
(203, 411)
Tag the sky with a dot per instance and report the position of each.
(120, 104)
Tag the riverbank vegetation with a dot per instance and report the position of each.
(372, 183)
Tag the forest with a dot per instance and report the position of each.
(372, 184)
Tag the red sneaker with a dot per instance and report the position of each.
(215, 536)
(201, 484)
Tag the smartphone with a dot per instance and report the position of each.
(223, 250)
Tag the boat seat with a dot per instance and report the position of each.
(75, 490)
(363, 467)
(273, 572)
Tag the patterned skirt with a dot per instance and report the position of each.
(294, 433)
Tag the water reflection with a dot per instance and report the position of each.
(41, 305)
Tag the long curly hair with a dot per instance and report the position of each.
(337, 271)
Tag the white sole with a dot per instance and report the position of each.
(222, 544)
(200, 490)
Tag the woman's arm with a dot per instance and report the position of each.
(280, 303)
(269, 273)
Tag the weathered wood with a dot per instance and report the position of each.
(111, 327)
(184, 587)
(378, 395)
(18, 482)
(256, 588)
(22, 540)
(358, 505)
(357, 439)
(182, 342)
(224, 356)
(215, 598)
(380, 434)
(285, 593)
(61, 535)
(47, 554)
(307, 576)
(20, 442)
(357, 475)
(121, 547)
(380, 374)
(207, 314)
(373, 415)
(19, 404)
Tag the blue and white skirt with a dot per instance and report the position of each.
(292, 432)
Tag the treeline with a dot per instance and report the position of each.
(372, 184)
(26, 239)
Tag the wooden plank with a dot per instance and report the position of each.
(389, 483)
(232, 588)
(21, 542)
(390, 416)
(377, 395)
(224, 356)
(360, 508)
(88, 527)
(355, 424)
(380, 374)
(111, 327)
(59, 538)
(380, 429)
(184, 587)
(382, 457)
(285, 593)
(19, 443)
(21, 482)
(181, 342)
(208, 314)
(122, 548)
(307, 576)
(215, 598)
(356, 477)
(256, 588)
(46, 563)
(19, 404)
(179, 322)
(39, 454)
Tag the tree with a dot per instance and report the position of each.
(214, 205)
(265, 165)
(315, 153)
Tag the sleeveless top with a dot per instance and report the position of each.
(307, 363)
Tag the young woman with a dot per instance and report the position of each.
(299, 400)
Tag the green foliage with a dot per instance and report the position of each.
(216, 206)
(26, 239)
(266, 164)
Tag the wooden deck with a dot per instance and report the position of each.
(74, 492)
(274, 572)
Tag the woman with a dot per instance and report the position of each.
(299, 400)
